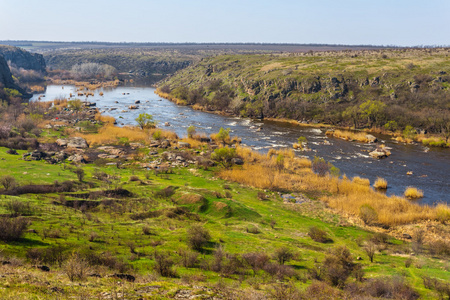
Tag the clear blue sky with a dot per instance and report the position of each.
(379, 22)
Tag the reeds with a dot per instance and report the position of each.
(413, 193)
(342, 194)
(110, 134)
(380, 183)
(348, 135)
(105, 119)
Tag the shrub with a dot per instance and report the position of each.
(370, 248)
(145, 120)
(157, 135)
(368, 214)
(12, 229)
(80, 174)
(413, 193)
(224, 156)
(318, 235)
(165, 192)
(191, 131)
(440, 247)
(198, 237)
(338, 265)
(253, 229)
(76, 267)
(320, 166)
(256, 260)
(392, 288)
(380, 183)
(18, 208)
(8, 181)
(283, 255)
(188, 258)
(164, 264)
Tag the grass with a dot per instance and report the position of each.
(130, 229)
(413, 193)
(348, 135)
(339, 193)
(380, 183)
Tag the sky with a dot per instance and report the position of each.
(349, 22)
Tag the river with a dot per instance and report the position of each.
(430, 169)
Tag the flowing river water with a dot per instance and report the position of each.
(430, 169)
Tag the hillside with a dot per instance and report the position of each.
(23, 59)
(135, 61)
(89, 210)
(385, 88)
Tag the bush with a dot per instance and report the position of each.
(165, 193)
(413, 193)
(8, 182)
(145, 120)
(188, 258)
(391, 288)
(198, 237)
(256, 260)
(164, 264)
(338, 265)
(224, 156)
(318, 235)
(283, 255)
(76, 267)
(368, 214)
(80, 174)
(320, 166)
(191, 131)
(18, 208)
(380, 183)
(12, 229)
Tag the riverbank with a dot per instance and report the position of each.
(128, 200)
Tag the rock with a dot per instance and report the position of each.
(77, 158)
(184, 145)
(378, 154)
(126, 277)
(137, 102)
(73, 142)
(407, 236)
(409, 173)
(359, 258)
(371, 138)
(167, 124)
(133, 107)
(180, 158)
(165, 144)
(135, 146)
(237, 161)
(43, 268)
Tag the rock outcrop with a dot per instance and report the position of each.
(6, 79)
(23, 59)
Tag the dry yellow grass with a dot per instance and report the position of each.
(361, 181)
(380, 183)
(413, 193)
(110, 134)
(443, 213)
(341, 194)
(193, 142)
(105, 119)
(348, 135)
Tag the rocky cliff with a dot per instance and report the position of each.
(6, 79)
(357, 88)
(133, 61)
(23, 59)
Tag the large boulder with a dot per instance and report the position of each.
(73, 142)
